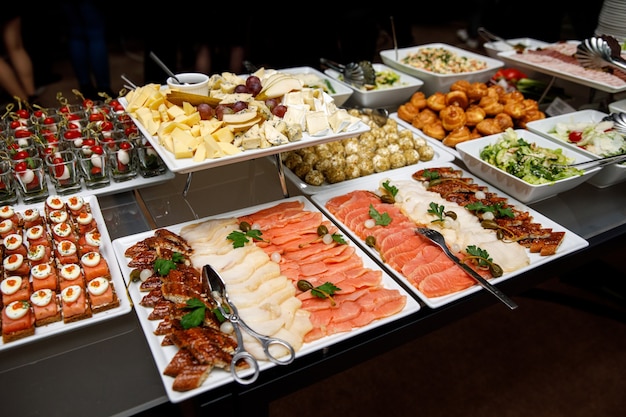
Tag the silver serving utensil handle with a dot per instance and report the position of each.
(438, 239)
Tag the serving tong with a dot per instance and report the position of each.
(215, 287)
(353, 72)
(599, 52)
(491, 37)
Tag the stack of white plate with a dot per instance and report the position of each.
(611, 20)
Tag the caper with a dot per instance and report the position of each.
(451, 214)
(322, 230)
(134, 275)
(245, 226)
(304, 285)
(495, 270)
(500, 234)
(387, 199)
(370, 241)
(489, 224)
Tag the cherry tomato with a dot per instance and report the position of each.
(72, 134)
(21, 166)
(97, 149)
(58, 169)
(21, 155)
(106, 126)
(15, 124)
(95, 170)
(89, 142)
(23, 113)
(49, 121)
(125, 145)
(94, 117)
(23, 133)
(575, 136)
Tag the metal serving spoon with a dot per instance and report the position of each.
(353, 72)
(165, 68)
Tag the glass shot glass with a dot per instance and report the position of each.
(122, 159)
(30, 177)
(8, 192)
(94, 167)
(149, 161)
(63, 172)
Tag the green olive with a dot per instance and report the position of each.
(245, 226)
(489, 224)
(500, 234)
(304, 285)
(387, 198)
(322, 230)
(134, 275)
(370, 241)
(450, 214)
(495, 270)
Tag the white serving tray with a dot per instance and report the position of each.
(218, 377)
(106, 249)
(570, 244)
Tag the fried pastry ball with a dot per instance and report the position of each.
(407, 112)
(489, 126)
(496, 90)
(411, 156)
(460, 85)
(474, 115)
(515, 109)
(418, 99)
(513, 96)
(457, 98)
(530, 104)
(436, 101)
(424, 117)
(491, 105)
(335, 175)
(405, 142)
(530, 116)
(476, 91)
(366, 166)
(302, 169)
(452, 117)
(381, 163)
(292, 160)
(352, 171)
(435, 130)
(397, 160)
(504, 120)
(458, 135)
(351, 146)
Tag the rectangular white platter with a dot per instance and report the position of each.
(106, 249)
(308, 189)
(342, 92)
(608, 175)
(571, 242)
(434, 142)
(218, 377)
(514, 59)
(187, 165)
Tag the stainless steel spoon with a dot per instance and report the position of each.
(164, 67)
(352, 72)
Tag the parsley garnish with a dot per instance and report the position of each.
(240, 238)
(497, 209)
(483, 260)
(381, 219)
(391, 189)
(326, 290)
(437, 210)
(430, 175)
(164, 266)
(196, 316)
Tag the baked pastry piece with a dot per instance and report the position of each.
(452, 117)
(456, 136)
(18, 321)
(418, 99)
(407, 112)
(435, 129)
(74, 304)
(474, 114)
(436, 101)
(102, 295)
(424, 117)
(46, 307)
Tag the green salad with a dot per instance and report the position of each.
(528, 161)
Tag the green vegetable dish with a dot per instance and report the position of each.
(528, 161)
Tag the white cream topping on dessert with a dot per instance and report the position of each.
(41, 298)
(70, 271)
(17, 309)
(98, 286)
(13, 261)
(13, 241)
(41, 271)
(10, 285)
(71, 293)
(90, 259)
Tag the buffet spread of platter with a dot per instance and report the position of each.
(137, 255)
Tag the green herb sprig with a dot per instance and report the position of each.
(196, 316)
(381, 219)
(240, 238)
(483, 260)
(326, 290)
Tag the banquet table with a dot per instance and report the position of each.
(107, 369)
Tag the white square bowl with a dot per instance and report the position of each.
(434, 82)
(341, 92)
(609, 174)
(510, 184)
(391, 96)
(493, 48)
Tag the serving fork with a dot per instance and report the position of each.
(438, 239)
